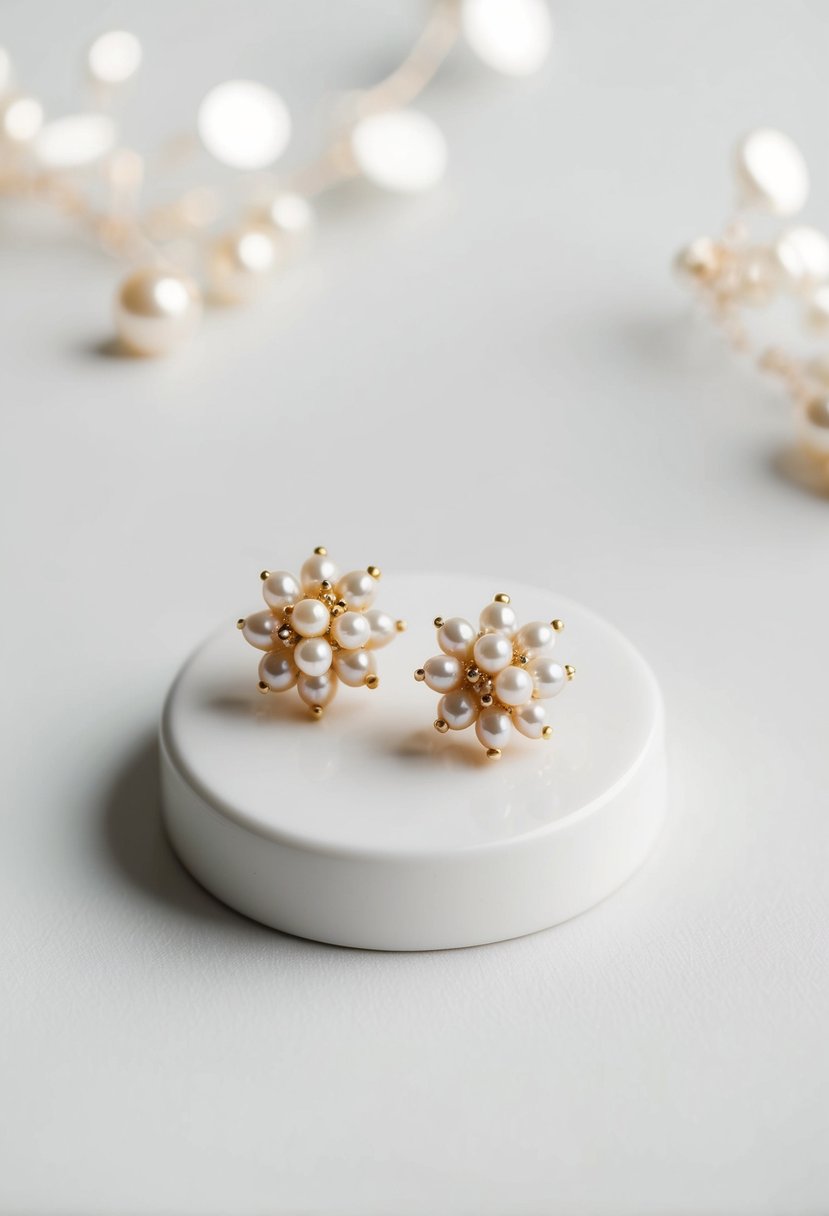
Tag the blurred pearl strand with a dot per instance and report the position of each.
(179, 262)
(737, 272)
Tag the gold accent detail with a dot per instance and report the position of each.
(283, 633)
(263, 686)
(240, 624)
(266, 574)
(547, 732)
(523, 660)
(493, 753)
(325, 585)
(374, 571)
(501, 598)
(420, 675)
(288, 609)
(372, 681)
(400, 626)
(473, 675)
(557, 625)
(337, 610)
(321, 551)
(438, 622)
(440, 726)
(571, 671)
(316, 710)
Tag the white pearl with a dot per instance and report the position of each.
(318, 569)
(456, 636)
(382, 628)
(21, 117)
(535, 638)
(513, 686)
(244, 124)
(700, 261)
(156, 310)
(511, 36)
(114, 57)
(310, 618)
(443, 673)
(354, 666)
(813, 425)
(317, 690)
(548, 676)
(260, 630)
(240, 263)
(74, 141)
(530, 719)
(350, 630)
(494, 728)
(280, 589)
(313, 656)
(458, 709)
(278, 670)
(499, 618)
(358, 589)
(291, 216)
(771, 172)
(492, 652)
(803, 255)
(401, 150)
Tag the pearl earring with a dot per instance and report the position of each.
(319, 630)
(495, 676)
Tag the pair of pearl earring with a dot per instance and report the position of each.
(321, 630)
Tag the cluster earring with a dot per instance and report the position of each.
(496, 676)
(748, 267)
(319, 630)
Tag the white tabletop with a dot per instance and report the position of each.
(666, 1051)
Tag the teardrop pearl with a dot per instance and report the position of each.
(492, 653)
(260, 630)
(317, 690)
(358, 589)
(513, 686)
(458, 709)
(156, 310)
(443, 673)
(530, 719)
(771, 172)
(351, 630)
(548, 676)
(310, 618)
(355, 666)
(313, 656)
(278, 670)
(382, 628)
(280, 589)
(318, 569)
(456, 636)
(499, 618)
(535, 638)
(494, 728)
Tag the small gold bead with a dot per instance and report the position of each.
(420, 675)
(493, 753)
(316, 710)
(571, 671)
(325, 585)
(374, 571)
(266, 574)
(337, 610)
(440, 726)
(342, 605)
(557, 625)
(473, 675)
(321, 551)
(283, 632)
(523, 660)
(401, 626)
(438, 622)
(486, 699)
(263, 686)
(288, 609)
(372, 681)
(240, 624)
(500, 599)
(547, 732)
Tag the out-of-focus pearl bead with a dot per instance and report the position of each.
(357, 589)
(701, 260)
(535, 638)
(548, 676)
(492, 652)
(513, 686)
(499, 618)
(771, 172)
(813, 425)
(456, 637)
(351, 630)
(240, 263)
(156, 310)
(399, 150)
(458, 709)
(313, 656)
(758, 276)
(260, 630)
(530, 719)
(803, 256)
(290, 216)
(443, 672)
(114, 57)
(244, 124)
(310, 618)
(278, 670)
(21, 117)
(318, 569)
(511, 36)
(382, 628)
(494, 728)
(817, 311)
(280, 589)
(354, 666)
(317, 690)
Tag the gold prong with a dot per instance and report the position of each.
(473, 675)
(535, 696)
(321, 551)
(240, 624)
(547, 732)
(342, 605)
(501, 598)
(337, 610)
(266, 574)
(316, 710)
(372, 681)
(440, 726)
(571, 671)
(263, 686)
(374, 571)
(493, 753)
(400, 626)
(288, 609)
(325, 585)
(420, 675)
(486, 699)
(438, 622)
(557, 625)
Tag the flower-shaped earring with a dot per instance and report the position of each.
(319, 631)
(495, 676)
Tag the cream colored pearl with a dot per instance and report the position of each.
(291, 216)
(513, 686)
(351, 630)
(535, 638)
(813, 425)
(280, 589)
(456, 636)
(310, 618)
(382, 628)
(771, 172)
(318, 569)
(358, 589)
(240, 263)
(313, 656)
(492, 652)
(317, 690)
(499, 618)
(701, 260)
(278, 670)
(443, 673)
(803, 256)
(458, 709)
(494, 728)
(260, 630)
(530, 719)
(21, 118)
(354, 666)
(548, 676)
(156, 310)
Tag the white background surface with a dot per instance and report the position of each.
(665, 1052)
